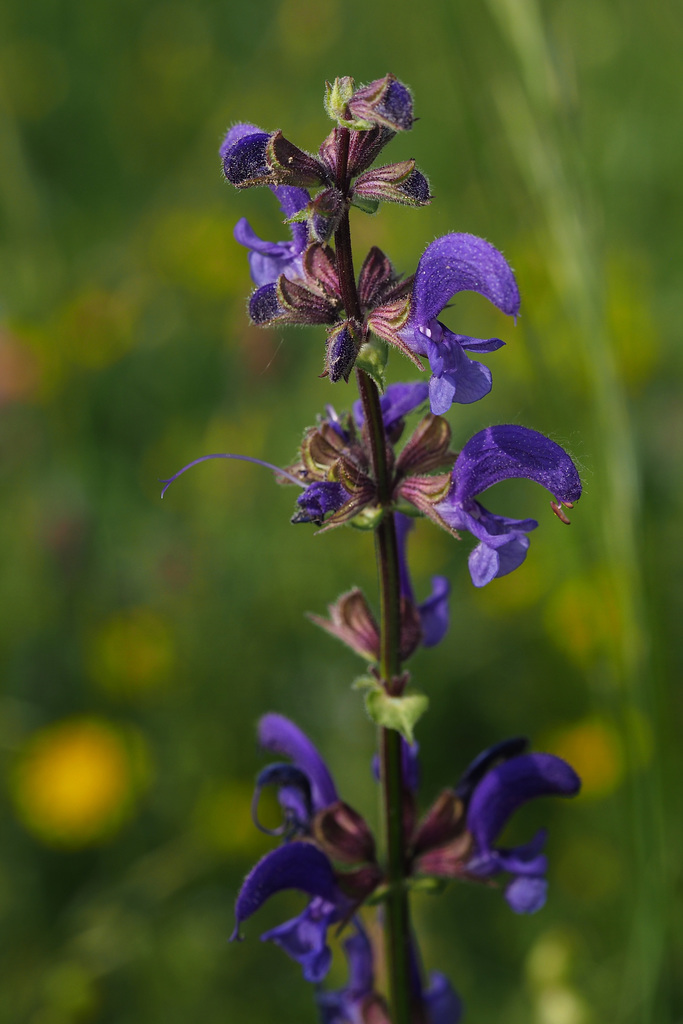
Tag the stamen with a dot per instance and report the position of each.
(559, 513)
(239, 458)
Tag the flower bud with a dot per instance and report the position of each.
(385, 101)
(395, 183)
(343, 343)
(352, 622)
(337, 96)
(344, 834)
(245, 161)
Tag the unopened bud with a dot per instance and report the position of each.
(343, 343)
(344, 834)
(385, 101)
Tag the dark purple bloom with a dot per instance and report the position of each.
(443, 1003)
(386, 102)
(495, 454)
(451, 264)
(267, 260)
(243, 153)
(434, 611)
(318, 499)
(305, 787)
(304, 938)
(345, 1005)
(281, 736)
(496, 797)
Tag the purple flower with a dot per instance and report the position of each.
(345, 1005)
(267, 260)
(451, 264)
(495, 798)
(495, 454)
(304, 787)
(433, 612)
(318, 499)
(243, 154)
(352, 1004)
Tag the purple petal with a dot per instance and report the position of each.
(263, 304)
(293, 866)
(277, 734)
(294, 796)
(461, 262)
(246, 236)
(443, 1003)
(291, 198)
(527, 859)
(318, 499)
(267, 260)
(483, 564)
(507, 451)
(245, 160)
(434, 612)
(480, 345)
(359, 957)
(441, 394)
(511, 784)
(526, 895)
(397, 401)
(234, 134)
(482, 763)
(511, 555)
(304, 938)
(409, 762)
(487, 562)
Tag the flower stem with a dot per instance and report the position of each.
(397, 916)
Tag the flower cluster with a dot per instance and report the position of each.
(329, 852)
(298, 281)
(363, 467)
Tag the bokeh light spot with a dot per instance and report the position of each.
(75, 782)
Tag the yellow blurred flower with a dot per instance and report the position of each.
(76, 781)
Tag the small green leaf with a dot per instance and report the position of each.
(365, 204)
(373, 357)
(399, 713)
(337, 95)
(364, 683)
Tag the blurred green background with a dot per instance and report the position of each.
(142, 639)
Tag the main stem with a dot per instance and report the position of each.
(397, 913)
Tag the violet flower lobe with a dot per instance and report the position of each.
(457, 836)
(433, 612)
(267, 260)
(497, 796)
(501, 453)
(451, 264)
(315, 822)
(298, 864)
